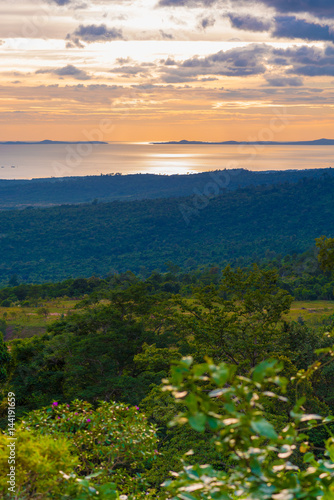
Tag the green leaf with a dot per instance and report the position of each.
(308, 457)
(187, 496)
(325, 350)
(264, 428)
(221, 375)
(197, 422)
(260, 371)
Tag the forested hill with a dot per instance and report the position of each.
(51, 244)
(48, 192)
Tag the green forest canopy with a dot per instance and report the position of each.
(241, 226)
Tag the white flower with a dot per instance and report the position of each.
(123, 497)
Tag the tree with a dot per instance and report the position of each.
(14, 280)
(326, 252)
(238, 321)
(4, 359)
(43, 312)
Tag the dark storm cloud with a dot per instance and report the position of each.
(68, 70)
(249, 23)
(291, 27)
(93, 33)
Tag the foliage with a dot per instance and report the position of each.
(264, 458)
(326, 252)
(4, 359)
(117, 236)
(133, 186)
(239, 320)
(112, 436)
(38, 461)
(90, 354)
(119, 342)
(73, 452)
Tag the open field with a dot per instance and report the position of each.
(313, 312)
(23, 322)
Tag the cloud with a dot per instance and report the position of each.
(69, 70)
(314, 70)
(206, 22)
(169, 62)
(166, 36)
(249, 23)
(127, 67)
(284, 81)
(318, 8)
(93, 33)
(284, 27)
(289, 64)
(306, 60)
(61, 2)
(291, 27)
(186, 3)
(241, 61)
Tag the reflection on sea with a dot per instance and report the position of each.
(58, 160)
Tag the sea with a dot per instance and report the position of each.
(29, 161)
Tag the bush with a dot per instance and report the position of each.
(37, 464)
(6, 303)
(114, 439)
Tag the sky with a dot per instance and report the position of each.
(160, 70)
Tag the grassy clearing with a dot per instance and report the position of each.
(23, 322)
(314, 312)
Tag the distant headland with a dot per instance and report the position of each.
(46, 142)
(317, 142)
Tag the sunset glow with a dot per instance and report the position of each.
(172, 70)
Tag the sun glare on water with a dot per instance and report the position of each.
(171, 163)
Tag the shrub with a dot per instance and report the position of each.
(37, 464)
(268, 462)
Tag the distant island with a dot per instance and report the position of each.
(317, 142)
(46, 142)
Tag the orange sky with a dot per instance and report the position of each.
(140, 71)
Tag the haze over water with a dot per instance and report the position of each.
(60, 160)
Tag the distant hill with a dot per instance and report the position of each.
(69, 190)
(239, 226)
(317, 142)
